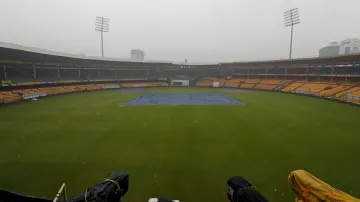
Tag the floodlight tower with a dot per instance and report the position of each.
(291, 18)
(102, 25)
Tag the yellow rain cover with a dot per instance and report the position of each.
(311, 189)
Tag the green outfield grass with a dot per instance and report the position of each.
(80, 138)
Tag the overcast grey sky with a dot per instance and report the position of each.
(200, 30)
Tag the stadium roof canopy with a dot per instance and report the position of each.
(12, 53)
(314, 60)
(17, 53)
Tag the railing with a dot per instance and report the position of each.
(62, 191)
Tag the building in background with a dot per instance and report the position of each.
(137, 55)
(345, 47)
(330, 50)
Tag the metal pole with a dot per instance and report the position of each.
(291, 18)
(102, 43)
(291, 39)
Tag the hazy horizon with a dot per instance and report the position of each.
(199, 30)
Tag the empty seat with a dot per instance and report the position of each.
(270, 81)
(332, 91)
(312, 88)
(247, 85)
(292, 86)
(252, 80)
(265, 86)
(232, 83)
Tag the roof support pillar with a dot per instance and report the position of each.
(5, 74)
(34, 71)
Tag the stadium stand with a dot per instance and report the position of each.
(333, 90)
(21, 94)
(205, 82)
(233, 83)
(291, 88)
(157, 84)
(69, 75)
(350, 95)
(143, 84)
(19, 74)
(221, 81)
(7, 97)
(47, 75)
(247, 85)
(282, 85)
(270, 82)
(27, 73)
(265, 86)
(313, 88)
(252, 81)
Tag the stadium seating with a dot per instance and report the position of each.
(350, 95)
(270, 82)
(354, 97)
(143, 84)
(131, 85)
(7, 97)
(232, 83)
(252, 81)
(292, 86)
(155, 84)
(265, 86)
(313, 88)
(332, 91)
(11, 96)
(205, 82)
(282, 85)
(221, 81)
(207, 79)
(247, 85)
(344, 92)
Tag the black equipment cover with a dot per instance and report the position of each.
(6, 196)
(111, 189)
(241, 190)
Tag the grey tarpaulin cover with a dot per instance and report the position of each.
(111, 189)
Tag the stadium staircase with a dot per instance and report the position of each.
(343, 89)
(249, 83)
(268, 84)
(257, 83)
(283, 84)
(194, 80)
(351, 89)
(299, 86)
(330, 89)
